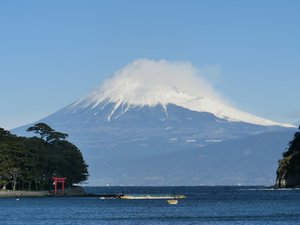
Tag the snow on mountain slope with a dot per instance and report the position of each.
(149, 83)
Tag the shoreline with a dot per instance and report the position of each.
(9, 193)
(69, 192)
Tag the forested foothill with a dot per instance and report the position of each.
(30, 163)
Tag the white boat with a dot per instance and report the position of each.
(172, 201)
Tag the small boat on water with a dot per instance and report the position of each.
(172, 201)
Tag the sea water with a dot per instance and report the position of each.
(203, 205)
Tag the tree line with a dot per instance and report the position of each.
(29, 163)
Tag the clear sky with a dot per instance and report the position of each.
(53, 52)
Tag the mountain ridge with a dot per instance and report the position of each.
(145, 132)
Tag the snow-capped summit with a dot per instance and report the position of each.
(149, 83)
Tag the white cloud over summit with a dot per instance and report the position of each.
(147, 82)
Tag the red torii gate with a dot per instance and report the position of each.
(57, 180)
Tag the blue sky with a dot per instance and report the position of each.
(53, 52)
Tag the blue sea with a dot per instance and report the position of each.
(203, 205)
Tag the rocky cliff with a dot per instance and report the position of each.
(288, 172)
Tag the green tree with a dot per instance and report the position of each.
(47, 133)
(70, 163)
(63, 158)
(11, 158)
(32, 162)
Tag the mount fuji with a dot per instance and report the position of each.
(159, 123)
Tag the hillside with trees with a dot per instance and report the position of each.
(288, 173)
(30, 163)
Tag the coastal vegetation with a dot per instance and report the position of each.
(29, 163)
(288, 172)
